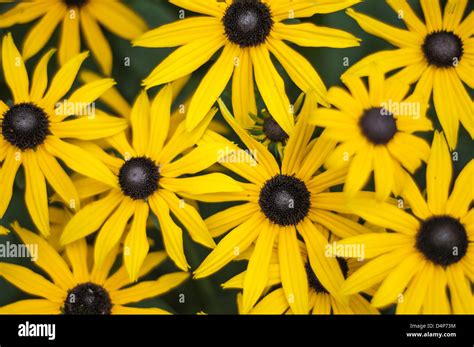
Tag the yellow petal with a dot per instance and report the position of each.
(80, 160)
(237, 241)
(211, 8)
(293, 273)
(7, 177)
(272, 88)
(40, 77)
(258, 267)
(409, 16)
(460, 199)
(63, 80)
(395, 283)
(274, 303)
(118, 309)
(460, 290)
(415, 294)
(243, 90)
(359, 170)
(31, 283)
(212, 85)
(118, 18)
(383, 173)
(136, 243)
(159, 120)
(39, 35)
(36, 196)
(14, 70)
(111, 232)
(149, 289)
(189, 217)
(438, 175)
(96, 40)
(203, 184)
(171, 233)
(90, 218)
(223, 221)
(432, 12)
(32, 306)
(77, 255)
(70, 41)
(184, 60)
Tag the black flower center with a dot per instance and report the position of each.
(247, 22)
(284, 200)
(138, 178)
(442, 239)
(273, 131)
(378, 125)
(25, 126)
(314, 282)
(77, 3)
(443, 48)
(89, 299)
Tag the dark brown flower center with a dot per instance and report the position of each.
(88, 299)
(443, 49)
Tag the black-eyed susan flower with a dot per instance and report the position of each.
(248, 31)
(280, 201)
(149, 173)
(34, 124)
(320, 300)
(425, 264)
(73, 286)
(374, 129)
(266, 130)
(437, 54)
(75, 16)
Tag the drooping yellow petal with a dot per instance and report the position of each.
(438, 175)
(171, 233)
(70, 41)
(32, 306)
(96, 41)
(225, 220)
(36, 196)
(90, 218)
(118, 18)
(397, 37)
(243, 90)
(136, 243)
(63, 80)
(274, 303)
(14, 70)
(179, 33)
(412, 299)
(80, 160)
(436, 298)
(159, 120)
(359, 170)
(7, 177)
(272, 88)
(463, 193)
(203, 184)
(385, 215)
(396, 282)
(460, 290)
(383, 173)
(77, 254)
(184, 60)
(237, 241)
(189, 217)
(293, 273)
(258, 267)
(149, 289)
(325, 268)
(31, 283)
(299, 69)
(212, 85)
(40, 77)
(48, 258)
(39, 35)
(375, 271)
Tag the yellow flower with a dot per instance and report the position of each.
(428, 251)
(74, 287)
(437, 54)
(374, 129)
(320, 300)
(148, 173)
(33, 128)
(248, 31)
(280, 201)
(75, 15)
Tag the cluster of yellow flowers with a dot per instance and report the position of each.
(325, 208)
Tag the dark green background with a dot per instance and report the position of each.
(206, 295)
